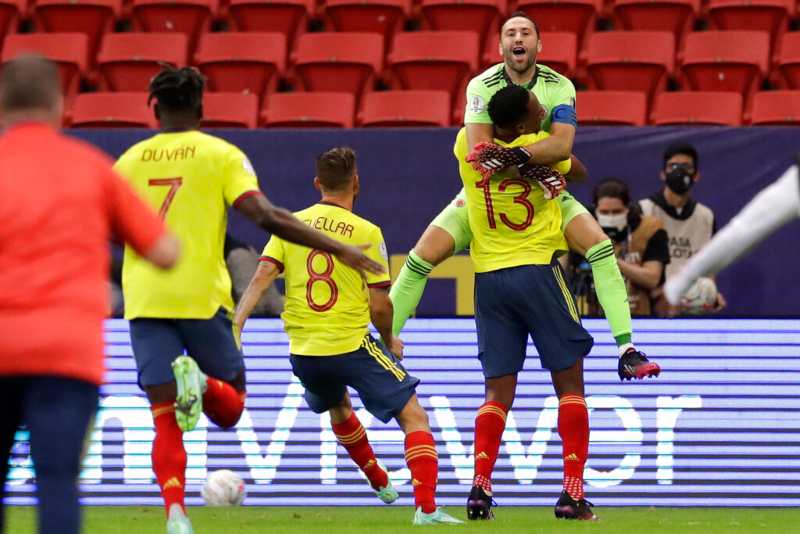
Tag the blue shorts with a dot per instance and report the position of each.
(382, 383)
(211, 342)
(512, 303)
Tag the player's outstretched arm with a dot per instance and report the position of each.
(381, 311)
(769, 210)
(264, 276)
(282, 223)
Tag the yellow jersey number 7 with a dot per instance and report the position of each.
(174, 184)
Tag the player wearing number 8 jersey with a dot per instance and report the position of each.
(192, 178)
(327, 314)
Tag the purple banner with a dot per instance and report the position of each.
(408, 176)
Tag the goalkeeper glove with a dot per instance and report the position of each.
(489, 159)
(550, 180)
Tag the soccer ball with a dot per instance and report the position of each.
(223, 488)
(700, 297)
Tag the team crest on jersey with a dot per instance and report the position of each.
(383, 251)
(477, 104)
(248, 166)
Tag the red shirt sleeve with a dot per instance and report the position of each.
(132, 221)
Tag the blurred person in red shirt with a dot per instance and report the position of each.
(60, 204)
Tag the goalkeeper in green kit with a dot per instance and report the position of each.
(449, 232)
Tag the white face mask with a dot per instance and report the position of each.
(618, 221)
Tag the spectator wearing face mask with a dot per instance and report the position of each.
(640, 243)
(689, 224)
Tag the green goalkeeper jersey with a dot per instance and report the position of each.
(554, 91)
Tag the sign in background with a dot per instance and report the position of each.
(720, 427)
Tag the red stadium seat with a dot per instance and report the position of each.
(310, 110)
(339, 61)
(190, 17)
(461, 15)
(725, 60)
(559, 52)
(405, 108)
(381, 16)
(92, 17)
(11, 11)
(242, 62)
(69, 50)
(698, 107)
(778, 108)
(127, 61)
(789, 60)
(112, 110)
(675, 16)
(612, 108)
(439, 61)
(771, 16)
(576, 16)
(630, 61)
(285, 16)
(230, 110)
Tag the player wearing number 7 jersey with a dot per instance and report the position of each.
(327, 314)
(192, 178)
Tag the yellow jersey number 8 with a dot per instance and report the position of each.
(323, 277)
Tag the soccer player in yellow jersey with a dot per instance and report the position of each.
(328, 310)
(520, 291)
(191, 178)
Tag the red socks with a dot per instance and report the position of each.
(168, 456)
(423, 461)
(573, 427)
(489, 426)
(353, 438)
(222, 404)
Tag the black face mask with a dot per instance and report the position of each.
(679, 178)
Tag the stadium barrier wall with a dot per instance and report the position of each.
(409, 175)
(720, 427)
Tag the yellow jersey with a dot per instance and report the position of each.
(511, 222)
(327, 302)
(190, 178)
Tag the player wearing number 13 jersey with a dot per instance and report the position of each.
(520, 291)
(328, 310)
(192, 178)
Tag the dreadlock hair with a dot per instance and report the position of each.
(177, 89)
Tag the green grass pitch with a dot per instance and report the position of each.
(247, 520)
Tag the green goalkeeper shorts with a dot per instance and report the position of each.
(454, 219)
